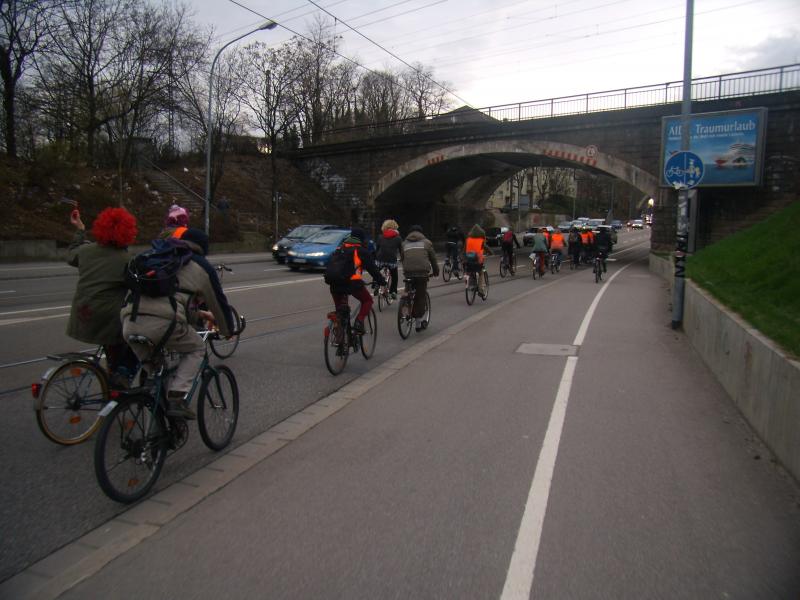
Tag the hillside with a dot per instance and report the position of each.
(35, 193)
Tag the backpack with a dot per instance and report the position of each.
(574, 238)
(341, 266)
(472, 263)
(508, 237)
(154, 273)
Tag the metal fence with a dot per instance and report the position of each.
(748, 83)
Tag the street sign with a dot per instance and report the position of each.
(683, 170)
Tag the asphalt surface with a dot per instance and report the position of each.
(419, 487)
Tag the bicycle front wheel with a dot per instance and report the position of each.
(130, 450)
(223, 348)
(370, 336)
(68, 407)
(335, 348)
(218, 407)
(404, 319)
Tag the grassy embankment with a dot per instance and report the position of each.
(756, 272)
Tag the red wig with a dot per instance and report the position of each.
(114, 227)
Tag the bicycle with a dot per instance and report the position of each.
(221, 347)
(506, 266)
(404, 309)
(555, 262)
(69, 401)
(471, 285)
(382, 292)
(137, 434)
(452, 267)
(537, 269)
(598, 267)
(340, 339)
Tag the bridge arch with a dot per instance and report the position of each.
(554, 152)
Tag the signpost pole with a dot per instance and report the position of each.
(682, 237)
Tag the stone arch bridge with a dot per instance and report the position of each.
(445, 169)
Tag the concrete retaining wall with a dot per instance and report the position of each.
(761, 379)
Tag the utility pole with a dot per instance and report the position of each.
(682, 236)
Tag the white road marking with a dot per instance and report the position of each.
(257, 286)
(519, 579)
(8, 292)
(28, 310)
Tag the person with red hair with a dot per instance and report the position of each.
(100, 291)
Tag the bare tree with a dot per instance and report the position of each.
(549, 182)
(425, 96)
(380, 97)
(22, 32)
(268, 79)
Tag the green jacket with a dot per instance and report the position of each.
(94, 317)
(418, 256)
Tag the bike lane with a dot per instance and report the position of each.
(416, 487)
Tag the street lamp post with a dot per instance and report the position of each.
(209, 127)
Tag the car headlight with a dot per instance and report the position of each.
(292, 253)
(275, 247)
(316, 254)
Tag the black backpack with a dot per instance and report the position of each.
(154, 273)
(341, 266)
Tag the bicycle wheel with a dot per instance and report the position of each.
(335, 348)
(503, 268)
(552, 265)
(223, 348)
(534, 267)
(458, 271)
(382, 299)
(447, 271)
(68, 407)
(404, 319)
(485, 285)
(598, 274)
(130, 450)
(218, 407)
(471, 288)
(370, 336)
(426, 318)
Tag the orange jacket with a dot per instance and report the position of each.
(556, 241)
(475, 244)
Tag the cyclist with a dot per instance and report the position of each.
(155, 318)
(476, 250)
(603, 245)
(94, 315)
(587, 244)
(419, 259)
(355, 247)
(557, 244)
(541, 247)
(455, 241)
(507, 243)
(388, 246)
(575, 246)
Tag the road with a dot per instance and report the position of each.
(490, 465)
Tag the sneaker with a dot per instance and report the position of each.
(176, 406)
(358, 327)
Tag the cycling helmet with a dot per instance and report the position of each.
(177, 216)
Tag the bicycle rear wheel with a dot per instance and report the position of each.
(485, 285)
(69, 404)
(404, 319)
(447, 271)
(426, 318)
(218, 407)
(335, 347)
(534, 267)
(471, 288)
(458, 271)
(598, 272)
(130, 450)
(503, 267)
(370, 336)
(223, 348)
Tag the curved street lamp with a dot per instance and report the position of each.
(209, 127)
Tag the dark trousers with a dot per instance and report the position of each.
(361, 294)
(420, 285)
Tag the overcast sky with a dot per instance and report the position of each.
(494, 52)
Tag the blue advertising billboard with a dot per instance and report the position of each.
(730, 144)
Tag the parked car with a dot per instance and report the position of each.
(315, 252)
(298, 234)
(637, 224)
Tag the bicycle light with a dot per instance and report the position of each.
(36, 388)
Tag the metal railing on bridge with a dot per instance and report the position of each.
(732, 85)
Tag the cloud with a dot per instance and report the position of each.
(774, 51)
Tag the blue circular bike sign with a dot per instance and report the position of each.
(684, 170)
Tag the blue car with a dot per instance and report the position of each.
(315, 251)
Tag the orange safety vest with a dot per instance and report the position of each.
(556, 241)
(179, 231)
(585, 238)
(475, 244)
(357, 261)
